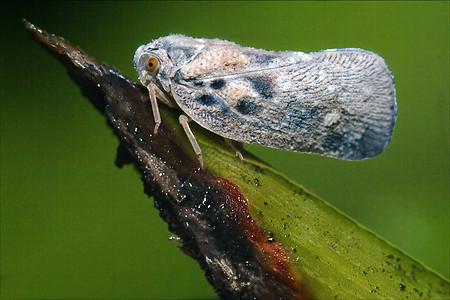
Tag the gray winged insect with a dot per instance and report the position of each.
(339, 102)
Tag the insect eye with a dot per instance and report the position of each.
(152, 64)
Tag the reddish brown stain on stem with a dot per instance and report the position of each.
(275, 259)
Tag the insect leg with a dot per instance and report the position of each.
(155, 108)
(162, 97)
(184, 122)
(234, 148)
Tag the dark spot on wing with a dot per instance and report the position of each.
(224, 109)
(247, 107)
(207, 100)
(300, 119)
(217, 84)
(262, 85)
(310, 114)
(198, 83)
(372, 143)
(332, 142)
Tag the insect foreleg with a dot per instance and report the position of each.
(155, 108)
(184, 122)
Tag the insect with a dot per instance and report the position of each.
(338, 102)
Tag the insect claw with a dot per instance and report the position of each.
(234, 148)
(155, 130)
(239, 155)
(200, 160)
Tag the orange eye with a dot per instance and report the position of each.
(152, 63)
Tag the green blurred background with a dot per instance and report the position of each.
(75, 226)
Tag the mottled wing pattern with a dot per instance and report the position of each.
(339, 103)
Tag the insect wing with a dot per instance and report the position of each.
(339, 103)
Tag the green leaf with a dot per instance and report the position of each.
(334, 255)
